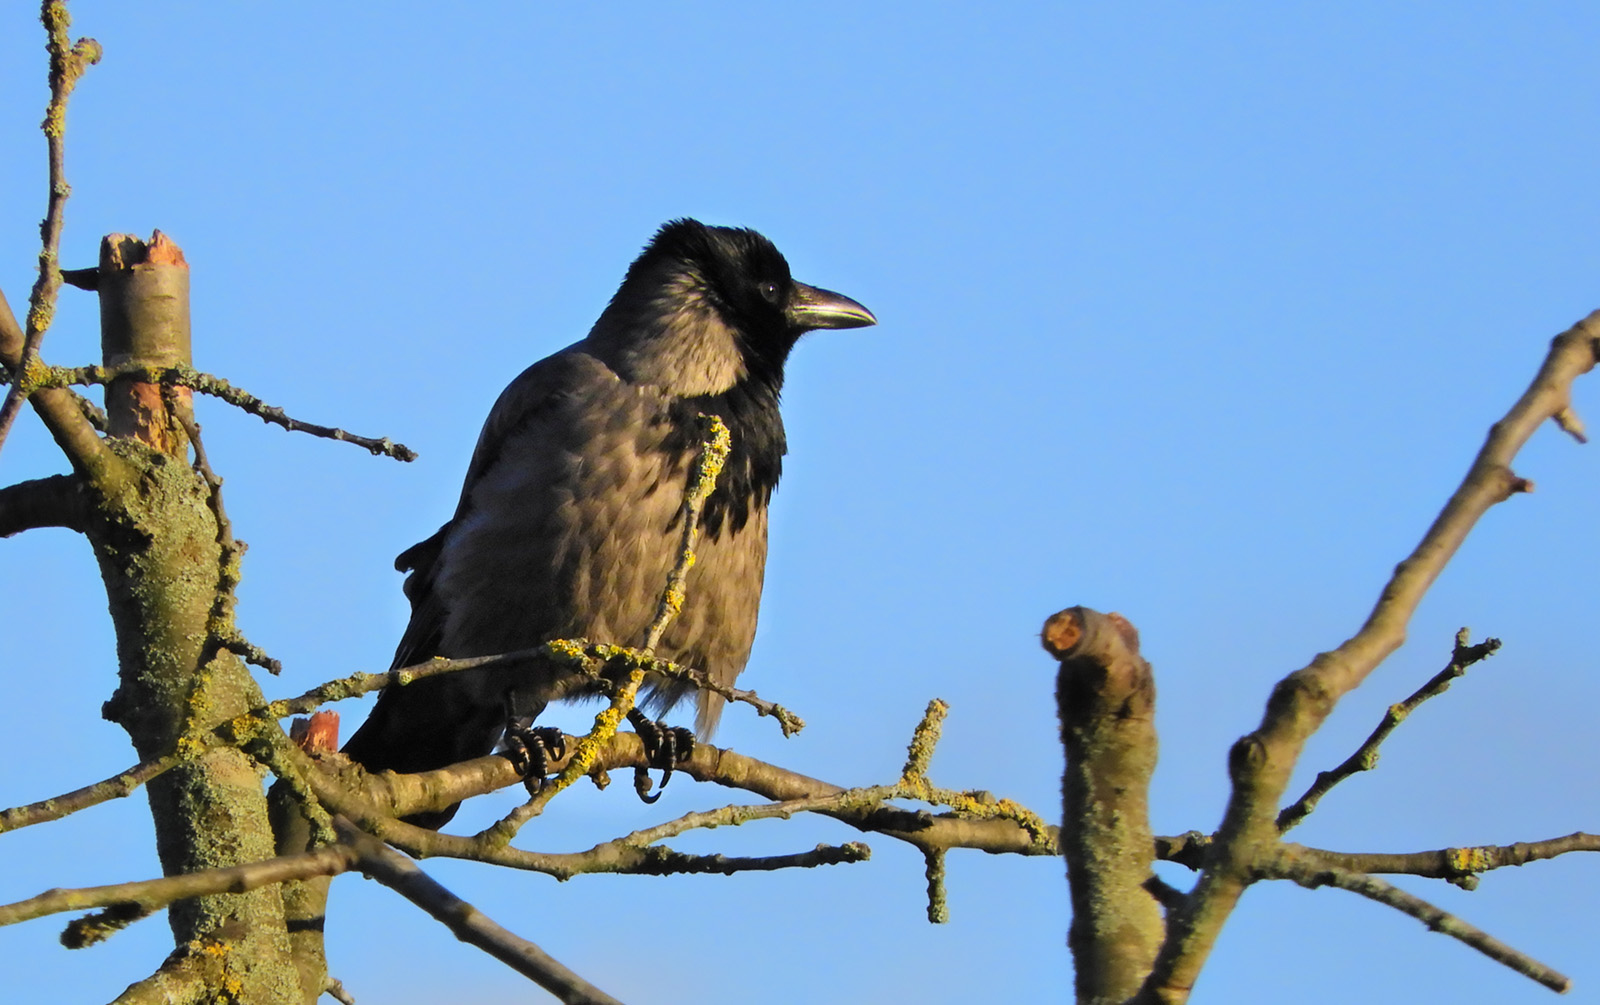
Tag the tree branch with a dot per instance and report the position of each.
(1260, 764)
(1105, 695)
(1460, 866)
(118, 786)
(151, 895)
(1366, 756)
(469, 924)
(587, 658)
(56, 501)
(65, 414)
(216, 387)
(373, 802)
(67, 63)
(1312, 876)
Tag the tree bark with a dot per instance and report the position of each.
(1105, 694)
(160, 544)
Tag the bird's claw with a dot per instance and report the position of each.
(665, 746)
(531, 749)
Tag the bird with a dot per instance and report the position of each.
(568, 523)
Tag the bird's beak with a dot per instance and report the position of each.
(811, 308)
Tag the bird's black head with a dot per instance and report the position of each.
(703, 307)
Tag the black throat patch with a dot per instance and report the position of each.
(750, 411)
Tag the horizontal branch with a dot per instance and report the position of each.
(127, 902)
(1457, 865)
(152, 895)
(56, 501)
(588, 658)
(1312, 876)
(216, 387)
(373, 801)
(1454, 864)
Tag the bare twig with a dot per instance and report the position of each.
(1438, 920)
(1366, 756)
(1460, 866)
(123, 784)
(221, 626)
(938, 904)
(68, 62)
(154, 894)
(216, 387)
(242, 728)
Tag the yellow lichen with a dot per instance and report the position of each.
(1465, 861)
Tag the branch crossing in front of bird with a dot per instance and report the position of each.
(715, 446)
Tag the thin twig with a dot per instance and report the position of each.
(1366, 756)
(938, 904)
(716, 441)
(118, 786)
(1460, 866)
(216, 387)
(244, 727)
(72, 420)
(1435, 918)
(67, 63)
(155, 894)
(220, 625)
(335, 989)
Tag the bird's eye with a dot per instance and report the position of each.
(769, 291)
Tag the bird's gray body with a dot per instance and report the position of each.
(569, 518)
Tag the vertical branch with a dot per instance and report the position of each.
(64, 413)
(144, 321)
(67, 63)
(1106, 697)
(168, 564)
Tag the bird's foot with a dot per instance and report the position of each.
(665, 746)
(531, 749)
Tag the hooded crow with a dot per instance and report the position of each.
(568, 521)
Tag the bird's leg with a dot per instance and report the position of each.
(531, 749)
(665, 746)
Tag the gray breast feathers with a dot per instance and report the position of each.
(568, 528)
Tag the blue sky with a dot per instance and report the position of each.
(1193, 313)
